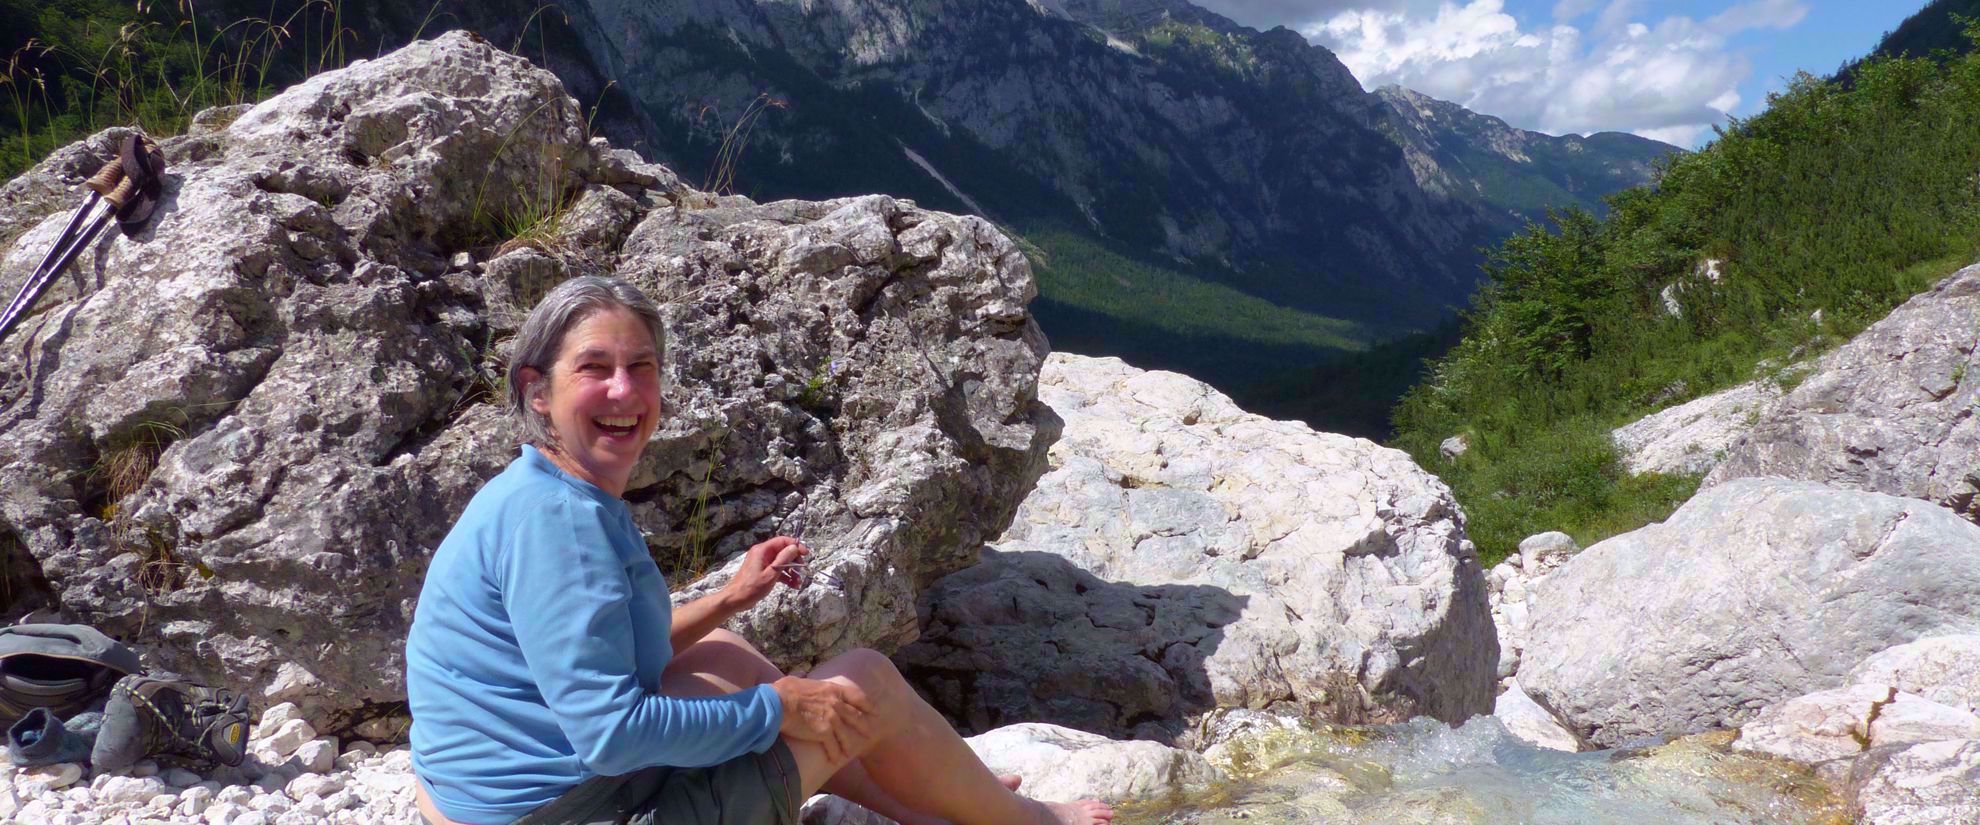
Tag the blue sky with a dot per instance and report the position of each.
(1668, 69)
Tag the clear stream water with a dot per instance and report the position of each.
(1424, 773)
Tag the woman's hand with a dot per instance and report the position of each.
(836, 716)
(762, 568)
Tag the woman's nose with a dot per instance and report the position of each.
(621, 383)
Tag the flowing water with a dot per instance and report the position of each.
(1423, 772)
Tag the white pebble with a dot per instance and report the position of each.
(221, 813)
(286, 739)
(360, 746)
(234, 795)
(271, 804)
(132, 790)
(249, 818)
(399, 758)
(180, 778)
(50, 776)
(34, 811)
(274, 718)
(318, 755)
(312, 783)
(144, 767)
(339, 801)
(193, 801)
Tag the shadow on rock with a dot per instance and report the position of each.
(1029, 636)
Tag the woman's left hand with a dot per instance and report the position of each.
(763, 567)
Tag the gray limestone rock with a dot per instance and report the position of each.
(1754, 591)
(1934, 783)
(1944, 669)
(1693, 437)
(1060, 765)
(1183, 555)
(1063, 765)
(235, 438)
(1891, 411)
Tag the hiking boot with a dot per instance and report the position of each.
(148, 716)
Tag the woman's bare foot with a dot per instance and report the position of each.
(1083, 812)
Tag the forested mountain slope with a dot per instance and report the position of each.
(1794, 230)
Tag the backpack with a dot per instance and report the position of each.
(66, 668)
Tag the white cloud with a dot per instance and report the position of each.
(1668, 79)
(1566, 11)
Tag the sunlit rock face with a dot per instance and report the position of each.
(1183, 555)
(1754, 591)
(235, 438)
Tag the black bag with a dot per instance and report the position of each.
(66, 668)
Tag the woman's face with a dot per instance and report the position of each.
(603, 397)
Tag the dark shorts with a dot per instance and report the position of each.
(752, 789)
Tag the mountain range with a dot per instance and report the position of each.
(1194, 194)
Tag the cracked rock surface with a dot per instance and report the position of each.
(234, 439)
(1892, 411)
(1755, 591)
(1183, 555)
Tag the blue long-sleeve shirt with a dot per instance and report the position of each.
(535, 655)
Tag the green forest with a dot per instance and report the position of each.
(1823, 213)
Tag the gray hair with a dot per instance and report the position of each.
(542, 338)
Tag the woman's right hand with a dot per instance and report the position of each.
(837, 716)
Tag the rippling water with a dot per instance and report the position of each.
(1423, 772)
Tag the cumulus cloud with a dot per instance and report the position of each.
(1667, 79)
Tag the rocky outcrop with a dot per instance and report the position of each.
(1182, 555)
(1891, 411)
(1755, 591)
(1508, 585)
(234, 438)
(1927, 784)
(1693, 437)
(1943, 669)
(1901, 739)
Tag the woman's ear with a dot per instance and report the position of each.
(530, 376)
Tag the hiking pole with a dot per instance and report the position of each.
(38, 283)
(105, 180)
(129, 188)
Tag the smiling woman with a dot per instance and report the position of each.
(585, 378)
(542, 668)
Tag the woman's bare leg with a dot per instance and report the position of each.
(722, 663)
(917, 757)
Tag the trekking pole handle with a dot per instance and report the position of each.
(106, 178)
(117, 197)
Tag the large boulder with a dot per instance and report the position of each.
(1693, 437)
(235, 438)
(1935, 783)
(1754, 591)
(1183, 555)
(1891, 411)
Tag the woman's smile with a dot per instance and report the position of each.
(602, 397)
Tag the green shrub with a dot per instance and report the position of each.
(1842, 200)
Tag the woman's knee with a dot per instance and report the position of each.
(873, 673)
